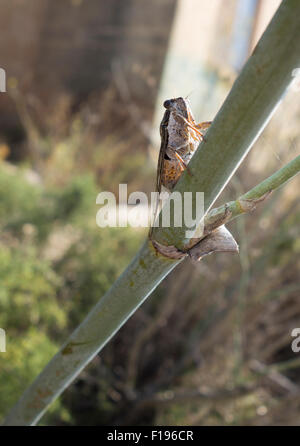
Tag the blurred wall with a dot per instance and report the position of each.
(55, 46)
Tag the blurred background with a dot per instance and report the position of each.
(85, 86)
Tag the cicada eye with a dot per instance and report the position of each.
(167, 103)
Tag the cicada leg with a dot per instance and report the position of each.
(198, 127)
(183, 166)
(196, 130)
(202, 126)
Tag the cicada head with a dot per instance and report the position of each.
(180, 106)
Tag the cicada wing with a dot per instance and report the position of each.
(161, 157)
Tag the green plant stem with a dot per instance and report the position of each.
(247, 202)
(248, 107)
(276, 180)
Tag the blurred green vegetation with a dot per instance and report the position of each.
(55, 263)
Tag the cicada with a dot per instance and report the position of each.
(180, 137)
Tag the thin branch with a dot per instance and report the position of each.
(248, 201)
(169, 397)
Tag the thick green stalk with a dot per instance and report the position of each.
(239, 122)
